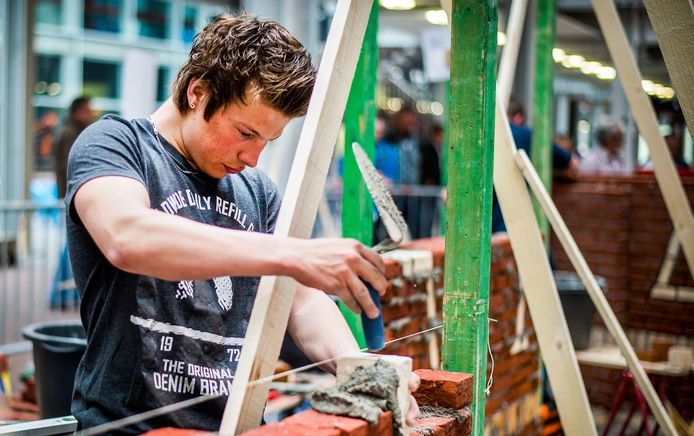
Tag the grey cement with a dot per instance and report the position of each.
(364, 395)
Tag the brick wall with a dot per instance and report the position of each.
(623, 227)
(509, 407)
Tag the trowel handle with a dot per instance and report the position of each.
(373, 328)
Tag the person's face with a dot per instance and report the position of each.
(234, 136)
(84, 114)
(406, 123)
(613, 145)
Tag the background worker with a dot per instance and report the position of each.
(169, 229)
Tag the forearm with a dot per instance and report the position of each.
(174, 248)
(318, 327)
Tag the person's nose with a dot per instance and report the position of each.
(250, 158)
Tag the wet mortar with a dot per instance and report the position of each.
(368, 392)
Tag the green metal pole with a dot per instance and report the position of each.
(541, 150)
(360, 115)
(468, 212)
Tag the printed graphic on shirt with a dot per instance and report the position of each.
(178, 370)
(180, 200)
(184, 360)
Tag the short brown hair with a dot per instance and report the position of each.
(236, 55)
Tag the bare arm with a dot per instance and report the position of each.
(135, 238)
(318, 328)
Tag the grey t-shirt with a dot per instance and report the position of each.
(154, 342)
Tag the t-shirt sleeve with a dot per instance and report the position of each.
(106, 148)
(273, 202)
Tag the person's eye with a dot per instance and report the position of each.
(246, 135)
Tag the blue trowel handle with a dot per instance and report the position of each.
(373, 328)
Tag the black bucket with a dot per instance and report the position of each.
(578, 307)
(58, 348)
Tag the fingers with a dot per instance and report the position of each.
(413, 383)
(363, 296)
(373, 257)
(413, 413)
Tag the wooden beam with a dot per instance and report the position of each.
(360, 115)
(673, 24)
(644, 114)
(509, 54)
(298, 212)
(541, 149)
(468, 209)
(539, 287)
(596, 294)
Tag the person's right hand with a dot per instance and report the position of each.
(338, 266)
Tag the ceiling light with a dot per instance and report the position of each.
(590, 67)
(437, 17)
(606, 73)
(558, 54)
(500, 38)
(647, 86)
(668, 92)
(573, 61)
(436, 108)
(398, 5)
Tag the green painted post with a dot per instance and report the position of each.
(541, 150)
(357, 207)
(468, 212)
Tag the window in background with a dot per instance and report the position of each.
(190, 17)
(103, 15)
(49, 11)
(101, 79)
(153, 18)
(47, 75)
(163, 85)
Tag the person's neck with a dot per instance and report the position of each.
(168, 121)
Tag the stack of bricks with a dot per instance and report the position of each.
(623, 228)
(437, 389)
(513, 403)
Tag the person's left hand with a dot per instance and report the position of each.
(413, 413)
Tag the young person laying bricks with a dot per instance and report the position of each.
(170, 228)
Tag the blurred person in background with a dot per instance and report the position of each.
(605, 158)
(44, 132)
(563, 162)
(80, 115)
(387, 154)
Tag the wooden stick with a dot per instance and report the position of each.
(298, 212)
(509, 55)
(673, 24)
(540, 289)
(642, 108)
(469, 200)
(596, 294)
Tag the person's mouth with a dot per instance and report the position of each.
(232, 170)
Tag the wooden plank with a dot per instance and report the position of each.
(360, 116)
(296, 217)
(642, 108)
(509, 54)
(468, 209)
(543, 126)
(673, 24)
(539, 287)
(596, 294)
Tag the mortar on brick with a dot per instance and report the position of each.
(367, 392)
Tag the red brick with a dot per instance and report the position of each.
(444, 389)
(284, 429)
(170, 431)
(392, 268)
(443, 425)
(315, 420)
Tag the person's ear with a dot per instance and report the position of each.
(196, 92)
